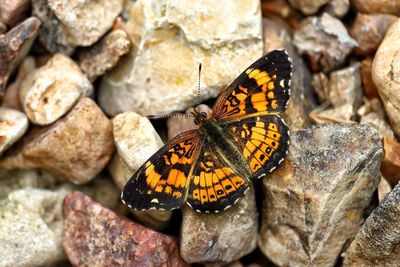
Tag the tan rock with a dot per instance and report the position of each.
(377, 6)
(321, 85)
(183, 34)
(386, 74)
(75, 148)
(51, 91)
(337, 8)
(390, 167)
(384, 188)
(308, 7)
(119, 170)
(13, 125)
(328, 114)
(13, 11)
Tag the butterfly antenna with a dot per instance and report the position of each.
(198, 87)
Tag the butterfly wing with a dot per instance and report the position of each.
(162, 181)
(214, 185)
(262, 88)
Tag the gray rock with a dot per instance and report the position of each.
(315, 202)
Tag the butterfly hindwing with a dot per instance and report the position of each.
(162, 181)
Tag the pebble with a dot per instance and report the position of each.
(13, 11)
(377, 6)
(390, 166)
(13, 125)
(308, 7)
(370, 90)
(315, 202)
(337, 8)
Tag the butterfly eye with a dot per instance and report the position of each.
(203, 114)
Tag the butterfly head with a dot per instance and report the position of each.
(199, 116)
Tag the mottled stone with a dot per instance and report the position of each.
(377, 242)
(183, 34)
(14, 46)
(390, 167)
(13, 11)
(104, 55)
(386, 74)
(75, 148)
(53, 89)
(337, 8)
(90, 228)
(368, 84)
(13, 125)
(308, 7)
(378, 6)
(325, 41)
(315, 202)
(369, 30)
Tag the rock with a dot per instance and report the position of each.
(315, 202)
(376, 244)
(384, 188)
(340, 114)
(280, 10)
(377, 6)
(104, 55)
(182, 34)
(31, 228)
(90, 228)
(390, 166)
(321, 85)
(13, 11)
(386, 75)
(308, 7)
(325, 41)
(51, 91)
(222, 237)
(337, 8)
(368, 84)
(3, 27)
(14, 46)
(119, 170)
(301, 99)
(13, 125)
(368, 30)
(75, 148)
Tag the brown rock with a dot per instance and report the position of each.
(101, 57)
(315, 202)
(376, 244)
(14, 46)
(390, 167)
(280, 10)
(96, 236)
(386, 74)
(369, 30)
(76, 147)
(12, 11)
(369, 86)
(308, 7)
(378, 6)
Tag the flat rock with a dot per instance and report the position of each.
(83, 136)
(182, 34)
(377, 242)
(308, 7)
(315, 202)
(325, 41)
(386, 74)
(377, 6)
(90, 228)
(13, 125)
(13, 11)
(53, 89)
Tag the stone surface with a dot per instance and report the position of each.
(384, 188)
(325, 41)
(386, 74)
(315, 202)
(75, 148)
(31, 228)
(378, 6)
(368, 84)
(182, 34)
(327, 114)
(337, 8)
(390, 167)
(14, 46)
(376, 244)
(104, 55)
(13, 125)
(308, 7)
(368, 30)
(12, 11)
(90, 228)
(53, 89)
(222, 237)
(321, 85)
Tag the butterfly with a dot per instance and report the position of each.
(210, 168)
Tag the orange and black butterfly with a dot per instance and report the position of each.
(210, 168)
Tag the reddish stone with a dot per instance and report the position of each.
(390, 166)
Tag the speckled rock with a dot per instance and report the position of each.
(376, 244)
(14, 46)
(325, 41)
(13, 11)
(90, 228)
(13, 125)
(84, 136)
(104, 55)
(308, 7)
(386, 74)
(315, 202)
(52, 90)
(378, 6)
(183, 34)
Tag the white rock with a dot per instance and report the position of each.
(13, 125)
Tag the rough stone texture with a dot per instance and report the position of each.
(53, 89)
(104, 55)
(337, 8)
(31, 228)
(377, 242)
(315, 202)
(76, 147)
(301, 99)
(325, 41)
(369, 30)
(386, 74)
(378, 6)
(90, 228)
(14, 46)
(308, 7)
(12, 11)
(368, 84)
(222, 237)
(13, 125)
(390, 167)
(183, 34)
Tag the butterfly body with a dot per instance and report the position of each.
(210, 168)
